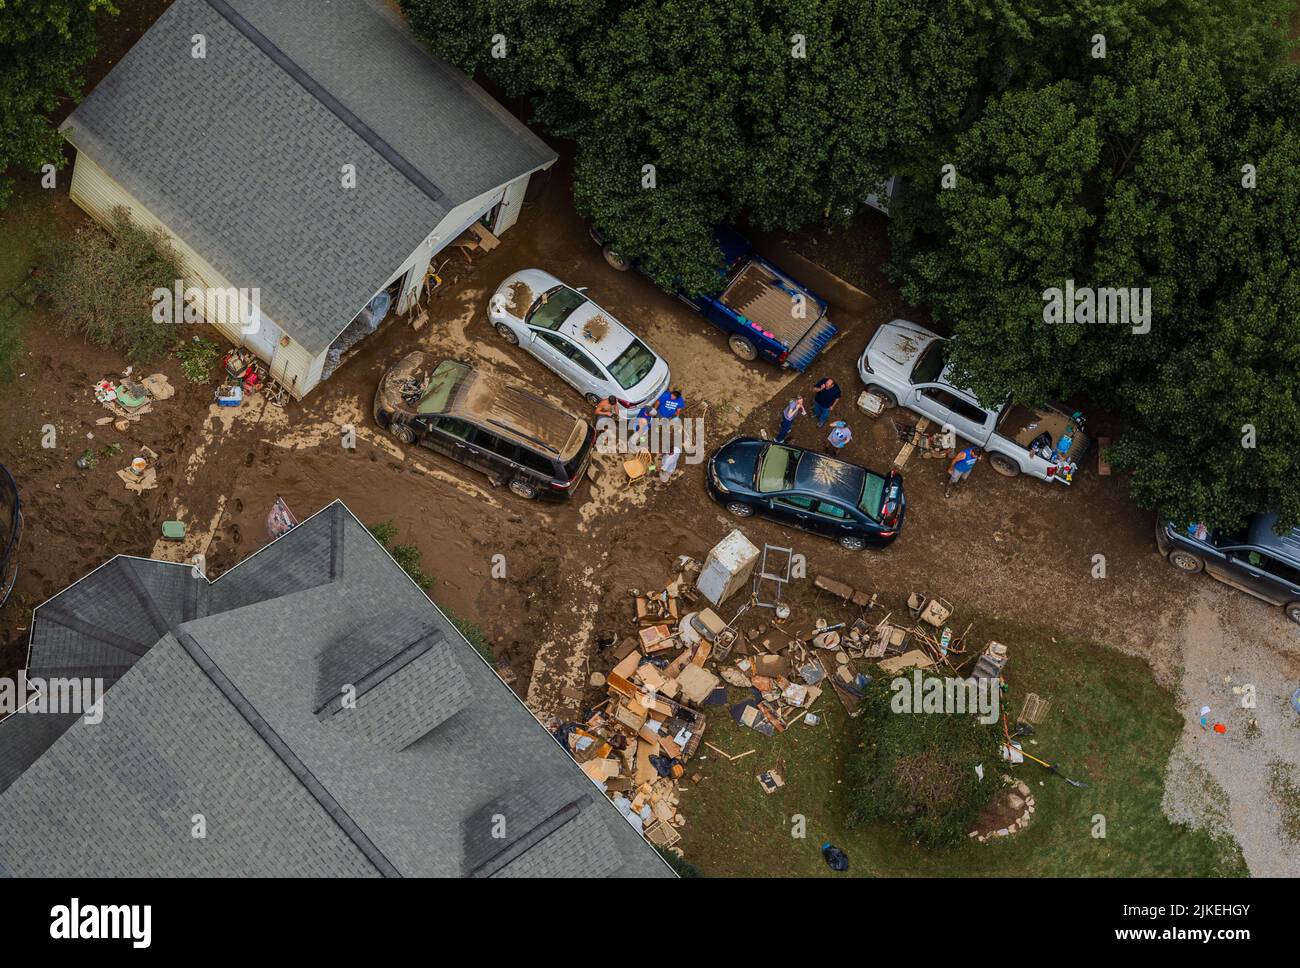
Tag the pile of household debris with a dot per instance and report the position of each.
(129, 400)
(637, 742)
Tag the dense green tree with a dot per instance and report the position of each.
(784, 113)
(1135, 178)
(43, 44)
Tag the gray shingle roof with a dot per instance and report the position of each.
(240, 152)
(439, 770)
(121, 797)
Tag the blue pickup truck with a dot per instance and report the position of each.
(764, 311)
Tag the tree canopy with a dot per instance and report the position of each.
(1104, 144)
(43, 44)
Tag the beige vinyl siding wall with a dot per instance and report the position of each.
(296, 368)
(94, 191)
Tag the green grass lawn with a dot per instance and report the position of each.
(28, 218)
(1110, 726)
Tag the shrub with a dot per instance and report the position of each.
(918, 770)
(683, 867)
(101, 285)
(196, 357)
(408, 556)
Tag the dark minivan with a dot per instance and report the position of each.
(806, 490)
(513, 436)
(1255, 559)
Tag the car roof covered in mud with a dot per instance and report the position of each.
(827, 475)
(457, 389)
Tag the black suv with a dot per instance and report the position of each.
(1255, 559)
(806, 490)
(512, 435)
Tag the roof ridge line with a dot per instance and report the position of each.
(512, 851)
(150, 607)
(333, 809)
(381, 673)
(328, 100)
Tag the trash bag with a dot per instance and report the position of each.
(835, 858)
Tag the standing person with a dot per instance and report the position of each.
(962, 464)
(668, 465)
(670, 402)
(828, 394)
(792, 410)
(839, 438)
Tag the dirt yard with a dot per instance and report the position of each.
(1019, 549)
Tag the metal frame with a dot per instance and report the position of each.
(762, 575)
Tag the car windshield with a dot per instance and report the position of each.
(554, 307)
(930, 365)
(633, 364)
(873, 496)
(437, 394)
(776, 469)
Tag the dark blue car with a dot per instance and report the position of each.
(764, 311)
(809, 491)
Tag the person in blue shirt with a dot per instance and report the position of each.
(669, 403)
(962, 464)
(839, 437)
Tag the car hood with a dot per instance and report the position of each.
(520, 290)
(409, 366)
(736, 461)
(897, 345)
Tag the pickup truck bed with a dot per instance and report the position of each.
(1022, 424)
(765, 298)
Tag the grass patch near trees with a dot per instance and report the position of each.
(28, 220)
(1110, 725)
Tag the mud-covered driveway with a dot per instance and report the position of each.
(549, 584)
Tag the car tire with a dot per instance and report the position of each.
(1293, 612)
(508, 334)
(1186, 561)
(402, 432)
(591, 398)
(615, 260)
(525, 489)
(743, 348)
(851, 543)
(738, 510)
(1004, 465)
(890, 401)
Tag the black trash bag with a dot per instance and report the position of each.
(835, 858)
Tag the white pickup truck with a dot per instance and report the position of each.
(905, 364)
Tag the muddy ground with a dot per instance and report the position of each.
(1016, 548)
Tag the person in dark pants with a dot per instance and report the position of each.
(828, 394)
(792, 410)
